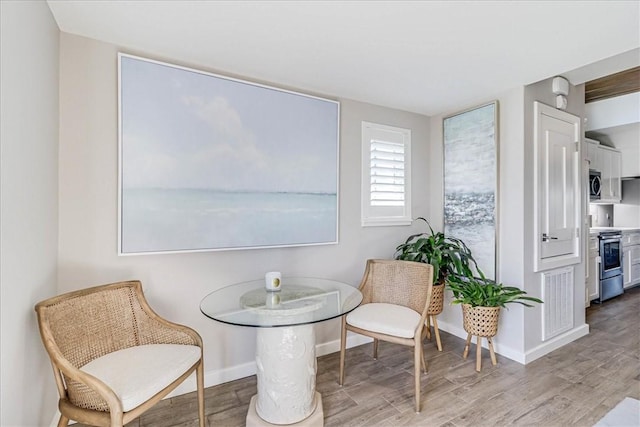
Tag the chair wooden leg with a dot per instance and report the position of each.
(493, 354)
(424, 363)
(479, 354)
(436, 331)
(417, 355)
(466, 347)
(63, 421)
(343, 347)
(200, 386)
(116, 419)
(428, 328)
(375, 349)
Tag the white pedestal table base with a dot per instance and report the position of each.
(286, 371)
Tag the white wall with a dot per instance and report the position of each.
(29, 206)
(175, 283)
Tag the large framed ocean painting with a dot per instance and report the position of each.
(209, 162)
(471, 182)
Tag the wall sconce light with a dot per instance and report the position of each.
(560, 88)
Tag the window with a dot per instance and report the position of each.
(386, 175)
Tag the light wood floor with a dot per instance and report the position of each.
(573, 386)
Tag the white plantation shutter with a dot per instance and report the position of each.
(386, 160)
(386, 172)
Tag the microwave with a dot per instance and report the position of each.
(594, 185)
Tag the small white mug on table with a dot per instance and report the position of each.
(272, 281)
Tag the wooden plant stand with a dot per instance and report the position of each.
(481, 322)
(435, 308)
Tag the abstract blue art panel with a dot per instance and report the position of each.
(470, 182)
(210, 163)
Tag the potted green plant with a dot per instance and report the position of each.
(481, 300)
(482, 292)
(447, 255)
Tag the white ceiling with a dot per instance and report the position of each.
(428, 57)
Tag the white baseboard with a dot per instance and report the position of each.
(231, 373)
(215, 377)
(353, 340)
(556, 342)
(502, 350)
(56, 417)
(519, 356)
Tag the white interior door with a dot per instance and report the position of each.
(558, 186)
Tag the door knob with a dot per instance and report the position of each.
(546, 238)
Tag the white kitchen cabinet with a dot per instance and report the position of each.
(593, 151)
(615, 168)
(608, 162)
(631, 258)
(593, 271)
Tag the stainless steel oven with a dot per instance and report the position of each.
(610, 265)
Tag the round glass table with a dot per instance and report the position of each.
(285, 340)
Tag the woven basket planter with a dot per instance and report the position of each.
(480, 321)
(437, 300)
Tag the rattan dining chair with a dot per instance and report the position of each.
(113, 357)
(396, 296)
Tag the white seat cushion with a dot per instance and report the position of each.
(389, 319)
(135, 374)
